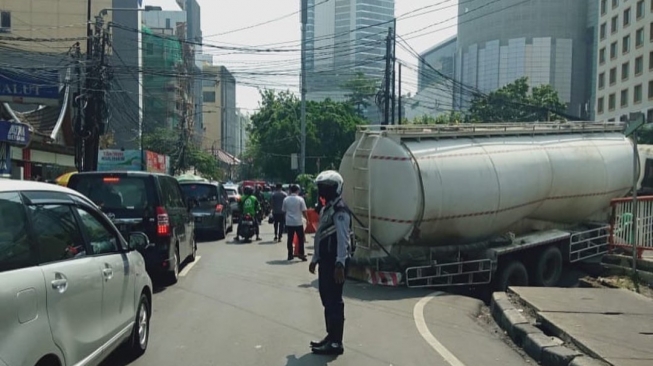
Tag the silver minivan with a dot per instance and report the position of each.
(72, 289)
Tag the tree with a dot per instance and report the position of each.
(166, 142)
(513, 103)
(362, 91)
(275, 134)
(450, 118)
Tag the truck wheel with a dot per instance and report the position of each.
(549, 268)
(514, 274)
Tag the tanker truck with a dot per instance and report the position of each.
(479, 204)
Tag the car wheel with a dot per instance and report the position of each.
(173, 275)
(222, 231)
(141, 331)
(193, 250)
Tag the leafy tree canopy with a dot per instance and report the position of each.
(166, 142)
(362, 91)
(514, 103)
(275, 134)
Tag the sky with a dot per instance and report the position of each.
(223, 22)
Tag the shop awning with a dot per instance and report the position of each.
(225, 157)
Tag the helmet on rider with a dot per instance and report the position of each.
(248, 190)
(329, 184)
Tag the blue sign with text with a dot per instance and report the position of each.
(16, 134)
(39, 86)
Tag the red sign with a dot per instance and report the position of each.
(156, 163)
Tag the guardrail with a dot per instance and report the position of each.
(621, 225)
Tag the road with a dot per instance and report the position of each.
(244, 304)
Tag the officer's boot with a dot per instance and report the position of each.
(333, 346)
(326, 339)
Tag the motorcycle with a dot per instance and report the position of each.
(246, 228)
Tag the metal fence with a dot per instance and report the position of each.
(621, 226)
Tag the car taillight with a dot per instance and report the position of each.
(218, 208)
(162, 222)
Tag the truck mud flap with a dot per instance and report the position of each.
(465, 273)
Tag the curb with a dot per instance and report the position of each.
(546, 350)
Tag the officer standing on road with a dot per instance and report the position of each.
(332, 245)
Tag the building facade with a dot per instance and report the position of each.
(501, 42)
(194, 38)
(345, 37)
(221, 124)
(624, 79)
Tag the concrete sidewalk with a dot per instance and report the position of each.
(611, 325)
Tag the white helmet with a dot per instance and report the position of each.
(331, 177)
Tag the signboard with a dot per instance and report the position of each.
(155, 163)
(41, 88)
(120, 160)
(16, 134)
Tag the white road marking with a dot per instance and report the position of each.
(189, 266)
(418, 315)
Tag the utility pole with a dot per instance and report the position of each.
(635, 121)
(386, 92)
(399, 117)
(302, 138)
(78, 103)
(394, 61)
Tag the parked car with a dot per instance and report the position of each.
(149, 202)
(234, 198)
(73, 290)
(212, 211)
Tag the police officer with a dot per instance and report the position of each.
(332, 244)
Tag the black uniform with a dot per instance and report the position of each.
(332, 243)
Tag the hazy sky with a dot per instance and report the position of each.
(222, 19)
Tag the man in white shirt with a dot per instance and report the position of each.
(294, 208)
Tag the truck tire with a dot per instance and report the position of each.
(548, 268)
(513, 274)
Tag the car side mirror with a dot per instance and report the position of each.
(138, 241)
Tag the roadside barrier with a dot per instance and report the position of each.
(621, 225)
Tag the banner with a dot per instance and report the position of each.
(130, 160)
(156, 163)
(30, 87)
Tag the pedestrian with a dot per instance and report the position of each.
(332, 247)
(278, 216)
(294, 208)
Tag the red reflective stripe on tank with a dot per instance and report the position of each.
(442, 156)
(485, 213)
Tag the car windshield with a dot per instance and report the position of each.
(200, 192)
(111, 192)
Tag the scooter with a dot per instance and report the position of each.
(246, 228)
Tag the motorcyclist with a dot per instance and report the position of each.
(249, 205)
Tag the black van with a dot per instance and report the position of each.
(212, 211)
(149, 202)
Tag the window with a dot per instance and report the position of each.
(650, 35)
(202, 192)
(601, 80)
(58, 235)
(637, 94)
(102, 240)
(171, 192)
(624, 98)
(639, 65)
(625, 68)
(613, 75)
(614, 24)
(604, 6)
(602, 55)
(208, 97)
(627, 17)
(603, 31)
(612, 102)
(615, 3)
(650, 60)
(625, 46)
(650, 89)
(639, 38)
(168, 23)
(649, 116)
(149, 49)
(613, 50)
(640, 9)
(599, 105)
(15, 250)
(5, 20)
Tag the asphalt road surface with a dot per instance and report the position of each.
(244, 304)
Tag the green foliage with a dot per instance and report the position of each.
(645, 135)
(275, 134)
(450, 118)
(362, 91)
(166, 142)
(513, 103)
(308, 182)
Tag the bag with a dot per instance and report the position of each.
(271, 219)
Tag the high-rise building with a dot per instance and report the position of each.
(221, 124)
(548, 41)
(345, 37)
(624, 79)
